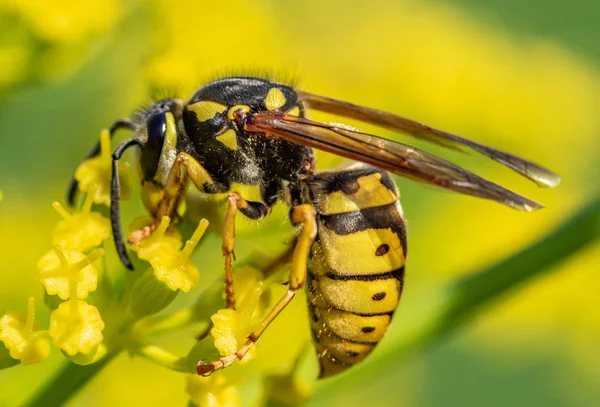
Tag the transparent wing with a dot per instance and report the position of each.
(536, 173)
(395, 157)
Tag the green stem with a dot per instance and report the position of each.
(67, 382)
(440, 314)
(163, 357)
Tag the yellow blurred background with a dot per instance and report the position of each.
(523, 78)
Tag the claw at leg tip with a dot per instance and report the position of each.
(204, 369)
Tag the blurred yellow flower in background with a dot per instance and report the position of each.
(93, 174)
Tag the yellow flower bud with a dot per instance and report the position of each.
(230, 331)
(23, 337)
(162, 239)
(68, 272)
(94, 174)
(80, 231)
(171, 265)
(212, 391)
(76, 327)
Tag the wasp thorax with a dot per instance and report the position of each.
(214, 124)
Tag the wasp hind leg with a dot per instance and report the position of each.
(305, 215)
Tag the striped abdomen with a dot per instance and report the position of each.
(356, 270)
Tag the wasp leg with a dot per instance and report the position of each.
(185, 167)
(74, 184)
(252, 210)
(302, 214)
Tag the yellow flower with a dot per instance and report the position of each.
(212, 391)
(76, 327)
(94, 174)
(163, 239)
(171, 265)
(80, 231)
(23, 337)
(232, 327)
(68, 273)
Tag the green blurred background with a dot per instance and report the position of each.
(521, 76)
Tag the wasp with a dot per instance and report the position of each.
(351, 247)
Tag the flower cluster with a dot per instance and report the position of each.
(95, 314)
(68, 272)
(51, 38)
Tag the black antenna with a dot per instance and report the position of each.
(115, 205)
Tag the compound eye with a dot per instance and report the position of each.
(151, 152)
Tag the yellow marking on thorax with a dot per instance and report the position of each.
(371, 193)
(294, 111)
(356, 253)
(206, 109)
(275, 99)
(231, 111)
(229, 139)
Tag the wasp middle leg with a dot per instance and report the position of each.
(252, 210)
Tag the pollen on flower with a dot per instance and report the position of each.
(68, 273)
(94, 174)
(23, 337)
(171, 265)
(80, 231)
(76, 327)
(212, 391)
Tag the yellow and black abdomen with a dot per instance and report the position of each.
(356, 270)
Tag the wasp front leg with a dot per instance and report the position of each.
(305, 215)
(185, 167)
